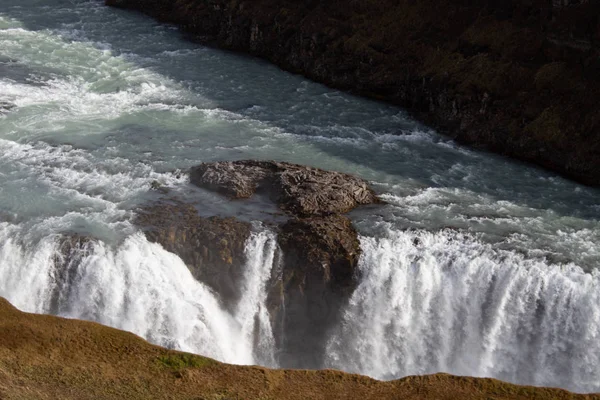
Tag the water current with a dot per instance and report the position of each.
(477, 265)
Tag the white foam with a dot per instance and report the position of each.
(140, 287)
(87, 81)
(431, 302)
(41, 180)
(251, 310)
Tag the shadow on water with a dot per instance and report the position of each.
(371, 137)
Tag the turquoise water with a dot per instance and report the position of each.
(107, 101)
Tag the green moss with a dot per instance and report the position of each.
(179, 361)
(218, 396)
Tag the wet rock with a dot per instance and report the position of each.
(320, 246)
(323, 249)
(234, 179)
(158, 187)
(319, 273)
(212, 248)
(297, 189)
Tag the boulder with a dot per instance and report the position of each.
(298, 190)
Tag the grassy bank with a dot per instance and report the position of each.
(45, 357)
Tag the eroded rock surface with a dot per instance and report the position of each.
(212, 248)
(297, 189)
(325, 249)
(319, 273)
(320, 246)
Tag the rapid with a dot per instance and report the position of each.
(476, 265)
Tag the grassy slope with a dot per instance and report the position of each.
(45, 357)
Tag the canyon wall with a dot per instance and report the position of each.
(515, 77)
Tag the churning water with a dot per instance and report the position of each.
(477, 265)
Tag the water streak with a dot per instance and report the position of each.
(140, 287)
(431, 302)
(251, 310)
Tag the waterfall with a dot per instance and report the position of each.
(251, 310)
(140, 287)
(446, 302)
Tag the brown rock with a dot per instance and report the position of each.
(212, 248)
(320, 247)
(324, 249)
(298, 190)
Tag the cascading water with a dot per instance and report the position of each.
(96, 116)
(140, 287)
(251, 310)
(431, 302)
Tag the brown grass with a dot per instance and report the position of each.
(45, 357)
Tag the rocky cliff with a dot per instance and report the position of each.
(519, 77)
(44, 357)
(319, 246)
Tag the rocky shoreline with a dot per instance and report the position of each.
(518, 77)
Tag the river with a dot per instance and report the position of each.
(477, 265)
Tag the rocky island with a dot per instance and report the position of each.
(319, 246)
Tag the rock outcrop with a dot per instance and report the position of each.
(519, 77)
(296, 189)
(6, 107)
(319, 274)
(212, 248)
(320, 246)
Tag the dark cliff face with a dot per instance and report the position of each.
(319, 274)
(519, 77)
